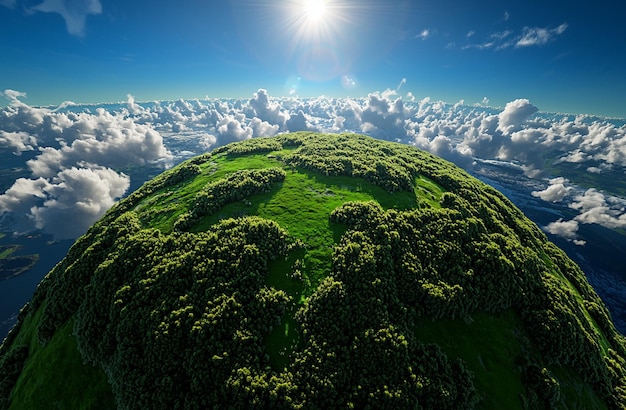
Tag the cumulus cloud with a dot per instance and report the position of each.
(265, 110)
(134, 134)
(515, 114)
(556, 192)
(384, 117)
(230, 129)
(74, 12)
(103, 138)
(565, 229)
(18, 141)
(65, 205)
(299, 122)
(595, 209)
(72, 174)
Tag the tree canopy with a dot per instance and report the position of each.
(315, 271)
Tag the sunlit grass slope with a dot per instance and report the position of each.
(314, 271)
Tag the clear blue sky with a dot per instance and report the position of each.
(563, 56)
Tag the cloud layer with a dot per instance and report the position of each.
(72, 179)
(106, 140)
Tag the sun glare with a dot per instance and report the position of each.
(315, 10)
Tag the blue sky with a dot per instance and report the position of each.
(562, 56)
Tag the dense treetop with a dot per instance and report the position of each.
(314, 271)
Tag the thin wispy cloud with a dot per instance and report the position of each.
(424, 34)
(8, 3)
(536, 36)
(529, 37)
(74, 13)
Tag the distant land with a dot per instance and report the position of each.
(11, 266)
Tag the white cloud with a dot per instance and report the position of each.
(65, 205)
(103, 138)
(400, 85)
(134, 133)
(515, 114)
(594, 209)
(262, 128)
(530, 36)
(424, 34)
(19, 141)
(13, 96)
(72, 176)
(74, 12)
(556, 192)
(384, 117)
(299, 122)
(565, 229)
(537, 36)
(268, 111)
(230, 129)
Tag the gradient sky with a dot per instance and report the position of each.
(563, 56)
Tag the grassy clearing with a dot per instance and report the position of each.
(48, 374)
(163, 208)
(428, 191)
(489, 347)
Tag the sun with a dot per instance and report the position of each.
(315, 10)
(314, 23)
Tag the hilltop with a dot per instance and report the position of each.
(314, 271)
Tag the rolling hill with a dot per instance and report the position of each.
(314, 271)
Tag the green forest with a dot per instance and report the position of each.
(314, 271)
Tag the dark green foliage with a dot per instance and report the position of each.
(182, 173)
(235, 187)
(182, 318)
(11, 364)
(173, 316)
(378, 164)
(256, 146)
(64, 294)
(544, 390)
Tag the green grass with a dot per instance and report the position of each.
(600, 336)
(48, 374)
(428, 191)
(489, 347)
(302, 205)
(576, 394)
